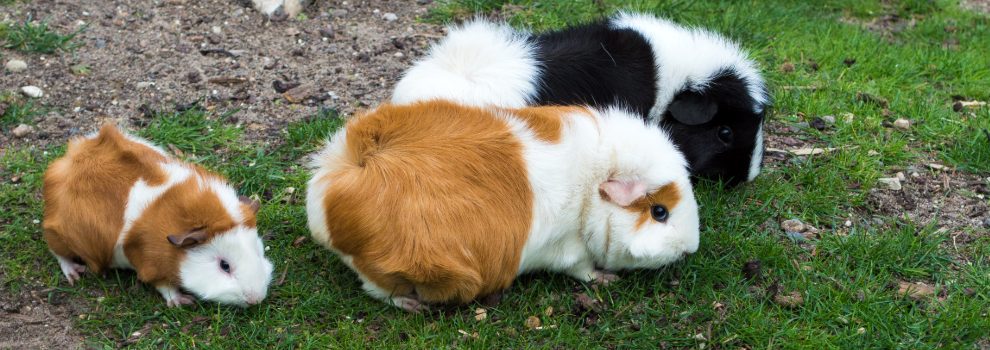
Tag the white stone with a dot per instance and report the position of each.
(22, 130)
(390, 17)
(145, 84)
(15, 65)
(892, 183)
(32, 91)
(902, 124)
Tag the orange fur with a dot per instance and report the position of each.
(85, 195)
(415, 208)
(547, 122)
(668, 196)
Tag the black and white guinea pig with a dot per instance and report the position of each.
(436, 202)
(698, 85)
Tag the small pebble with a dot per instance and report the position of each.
(216, 30)
(900, 176)
(390, 17)
(902, 124)
(145, 84)
(892, 183)
(15, 66)
(829, 119)
(32, 91)
(793, 225)
(327, 32)
(22, 130)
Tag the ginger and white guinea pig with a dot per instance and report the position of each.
(117, 201)
(436, 202)
(698, 85)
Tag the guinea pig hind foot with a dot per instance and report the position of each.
(602, 277)
(410, 304)
(174, 297)
(70, 269)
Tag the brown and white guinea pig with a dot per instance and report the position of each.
(117, 201)
(696, 84)
(435, 202)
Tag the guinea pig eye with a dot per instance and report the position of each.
(659, 213)
(724, 134)
(224, 266)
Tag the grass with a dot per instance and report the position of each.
(848, 277)
(36, 37)
(17, 111)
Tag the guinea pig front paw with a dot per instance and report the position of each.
(174, 298)
(603, 277)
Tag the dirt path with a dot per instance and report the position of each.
(155, 54)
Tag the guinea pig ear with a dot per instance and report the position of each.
(622, 193)
(253, 204)
(189, 238)
(692, 109)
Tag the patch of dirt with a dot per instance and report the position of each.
(977, 5)
(138, 55)
(957, 200)
(886, 25)
(38, 319)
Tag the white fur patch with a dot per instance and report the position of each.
(574, 229)
(480, 63)
(250, 271)
(139, 199)
(326, 161)
(689, 57)
(267, 7)
(228, 198)
(757, 156)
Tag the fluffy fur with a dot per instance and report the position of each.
(698, 85)
(279, 8)
(115, 200)
(436, 202)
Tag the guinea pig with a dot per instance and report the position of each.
(439, 203)
(698, 85)
(117, 201)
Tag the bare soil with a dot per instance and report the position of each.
(142, 55)
(37, 319)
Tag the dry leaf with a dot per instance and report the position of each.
(916, 291)
(791, 300)
(533, 322)
(548, 312)
(299, 240)
(480, 314)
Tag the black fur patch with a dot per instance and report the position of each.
(708, 154)
(596, 65)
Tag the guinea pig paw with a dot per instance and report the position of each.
(71, 270)
(410, 304)
(179, 300)
(604, 277)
